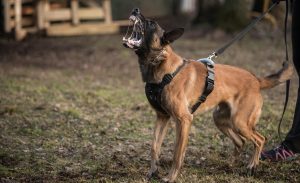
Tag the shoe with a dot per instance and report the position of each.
(280, 153)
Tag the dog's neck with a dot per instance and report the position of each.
(155, 65)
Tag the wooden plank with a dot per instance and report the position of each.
(81, 29)
(90, 13)
(7, 17)
(121, 22)
(58, 15)
(107, 11)
(83, 14)
(74, 12)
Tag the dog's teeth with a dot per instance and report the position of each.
(139, 42)
(135, 38)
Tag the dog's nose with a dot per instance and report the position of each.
(135, 12)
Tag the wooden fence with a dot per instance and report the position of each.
(59, 18)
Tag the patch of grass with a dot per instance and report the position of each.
(80, 115)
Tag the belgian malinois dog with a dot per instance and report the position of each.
(236, 98)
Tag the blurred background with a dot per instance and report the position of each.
(79, 17)
(72, 102)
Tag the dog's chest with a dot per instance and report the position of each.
(153, 93)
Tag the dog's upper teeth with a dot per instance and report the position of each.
(135, 38)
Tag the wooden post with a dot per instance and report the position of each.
(107, 11)
(42, 10)
(19, 32)
(74, 12)
(46, 9)
(7, 17)
(40, 15)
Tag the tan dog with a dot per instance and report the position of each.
(236, 97)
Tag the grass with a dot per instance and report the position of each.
(74, 110)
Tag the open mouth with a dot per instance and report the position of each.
(134, 40)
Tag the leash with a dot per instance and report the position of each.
(242, 33)
(209, 85)
(288, 82)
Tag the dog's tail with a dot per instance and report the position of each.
(275, 79)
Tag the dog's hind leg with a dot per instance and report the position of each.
(160, 130)
(258, 141)
(222, 119)
(244, 121)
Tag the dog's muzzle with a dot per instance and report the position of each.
(134, 40)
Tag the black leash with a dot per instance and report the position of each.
(242, 33)
(209, 86)
(287, 93)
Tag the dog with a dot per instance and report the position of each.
(236, 98)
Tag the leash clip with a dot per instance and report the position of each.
(212, 56)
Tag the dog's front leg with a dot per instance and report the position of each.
(160, 130)
(183, 125)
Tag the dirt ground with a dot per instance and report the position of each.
(74, 110)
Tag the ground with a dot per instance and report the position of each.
(74, 110)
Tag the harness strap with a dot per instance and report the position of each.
(154, 90)
(168, 77)
(209, 85)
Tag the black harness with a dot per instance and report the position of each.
(154, 90)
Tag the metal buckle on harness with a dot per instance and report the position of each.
(207, 61)
(214, 54)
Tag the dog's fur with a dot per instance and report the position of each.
(236, 97)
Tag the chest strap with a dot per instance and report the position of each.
(209, 84)
(154, 90)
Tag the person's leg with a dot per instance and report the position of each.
(293, 138)
(291, 145)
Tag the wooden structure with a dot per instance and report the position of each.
(59, 17)
(261, 6)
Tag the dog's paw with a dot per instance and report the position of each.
(167, 180)
(152, 173)
(251, 172)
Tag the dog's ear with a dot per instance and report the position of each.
(172, 35)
